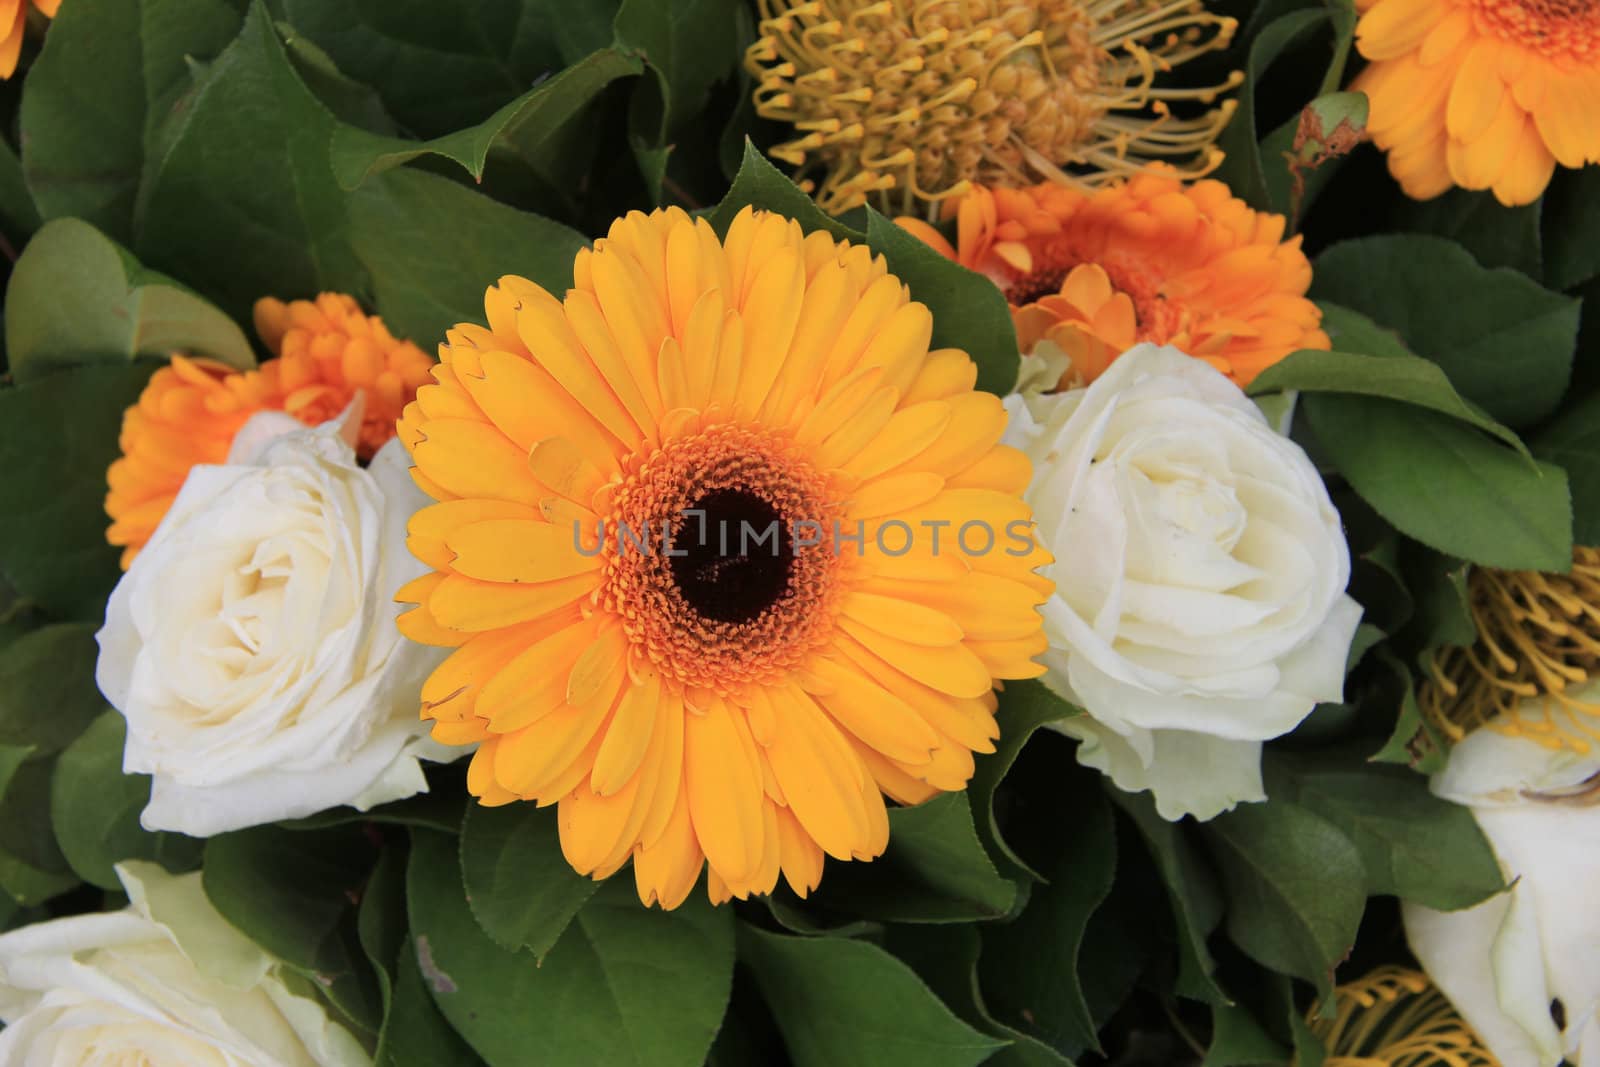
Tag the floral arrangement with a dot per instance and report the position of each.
(927, 532)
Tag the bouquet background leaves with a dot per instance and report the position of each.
(169, 162)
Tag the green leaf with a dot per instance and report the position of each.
(440, 67)
(32, 869)
(522, 890)
(1238, 1040)
(27, 884)
(1191, 888)
(691, 45)
(1315, 143)
(1572, 442)
(290, 892)
(244, 180)
(1572, 227)
(1296, 888)
(1462, 316)
(1413, 845)
(759, 184)
(1414, 740)
(946, 957)
(56, 437)
(1042, 992)
(437, 809)
(1396, 376)
(431, 248)
(1497, 236)
(95, 809)
(350, 101)
(1351, 331)
(416, 1034)
(19, 216)
(842, 1002)
(77, 297)
(1025, 707)
(12, 757)
(1243, 167)
(381, 923)
(969, 311)
(1444, 484)
(934, 870)
(521, 126)
(624, 985)
(108, 76)
(413, 1034)
(48, 694)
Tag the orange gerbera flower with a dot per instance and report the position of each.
(764, 638)
(14, 25)
(328, 351)
(1151, 260)
(1484, 94)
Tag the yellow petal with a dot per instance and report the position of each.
(518, 550)
(473, 459)
(951, 669)
(724, 789)
(872, 714)
(466, 604)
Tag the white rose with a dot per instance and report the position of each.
(1505, 962)
(1200, 572)
(252, 645)
(167, 981)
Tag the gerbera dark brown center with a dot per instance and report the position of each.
(736, 556)
(753, 591)
(1036, 285)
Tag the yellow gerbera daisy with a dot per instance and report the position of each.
(742, 703)
(1484, 94)
(924, 96)
(1395, 1017)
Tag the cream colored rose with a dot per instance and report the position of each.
(1200, 571)
(165, 983)
(252, 645)
(1505, 962)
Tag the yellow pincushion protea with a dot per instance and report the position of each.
(1533, 669)
(1151, 259)
(909, 101)
(327, 352)
(1395, 1017)
(1484, 94)
(744, 708)
(14, 26)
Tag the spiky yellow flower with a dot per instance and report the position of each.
(327, 352)
(672, 551)
(910, 100)
(1150, 259)
(1395, 1017)
(14, 26)
(1531, 670)
(1484, 94)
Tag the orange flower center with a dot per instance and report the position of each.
(1569, 28)
(719, 557)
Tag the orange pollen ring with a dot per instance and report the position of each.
(1569, 27)
(737, 604)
